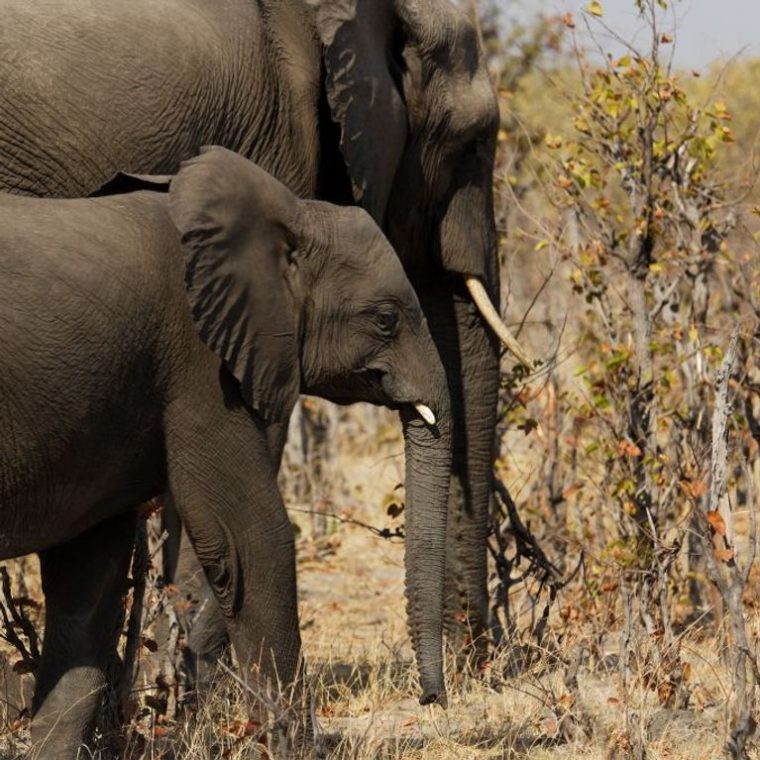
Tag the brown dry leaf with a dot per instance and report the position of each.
(569, 612)
(570, 491)
(693, 488)
(408, 723)
(20, 667)
(724, 555)
(716, 522)
(665, 692)
(239, 728)
(394, 509)
(568, 20)
(627, 448)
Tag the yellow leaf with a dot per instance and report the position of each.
(595, 8)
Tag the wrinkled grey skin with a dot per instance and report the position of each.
(147, 341)
(385, 103)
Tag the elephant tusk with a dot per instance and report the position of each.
(426, 413)
(491, 316)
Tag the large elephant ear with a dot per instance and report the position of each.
(237, 227)
(357, 37)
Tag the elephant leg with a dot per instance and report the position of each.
(224, 485)
(470, 354)
(207, 640)
(84, 582)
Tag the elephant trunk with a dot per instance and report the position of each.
(428, 466)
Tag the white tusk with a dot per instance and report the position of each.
(426, 413)
(487, 309)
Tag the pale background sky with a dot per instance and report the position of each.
(705, 29)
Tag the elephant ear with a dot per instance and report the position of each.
(237, 225)
(357, 37)
(123, 182)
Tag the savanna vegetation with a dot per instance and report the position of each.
(625, 583)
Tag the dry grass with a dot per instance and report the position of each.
(364, 683)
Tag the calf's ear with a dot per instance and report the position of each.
(238, 230)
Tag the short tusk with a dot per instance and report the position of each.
(426, 413)
(487, 309)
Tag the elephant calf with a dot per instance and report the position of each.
(147, 340)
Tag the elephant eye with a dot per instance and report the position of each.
(387, 321)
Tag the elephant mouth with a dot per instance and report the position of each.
(376, 387)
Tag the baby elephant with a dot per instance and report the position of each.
(147, 341)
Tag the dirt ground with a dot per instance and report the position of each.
(360, 662)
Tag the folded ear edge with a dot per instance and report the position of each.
(233, 219)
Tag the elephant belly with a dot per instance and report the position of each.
(53, 491)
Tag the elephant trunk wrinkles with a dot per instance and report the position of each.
(428, 464)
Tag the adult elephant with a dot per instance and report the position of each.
(384, 103)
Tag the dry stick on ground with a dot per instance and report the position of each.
(572, 721)
(14, 617)
(526, 548)
(724, 568)
(387, 533)
(140, 567)
(121, 670)
(282, 715)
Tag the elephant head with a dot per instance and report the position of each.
(418, 115)
(297, 295)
